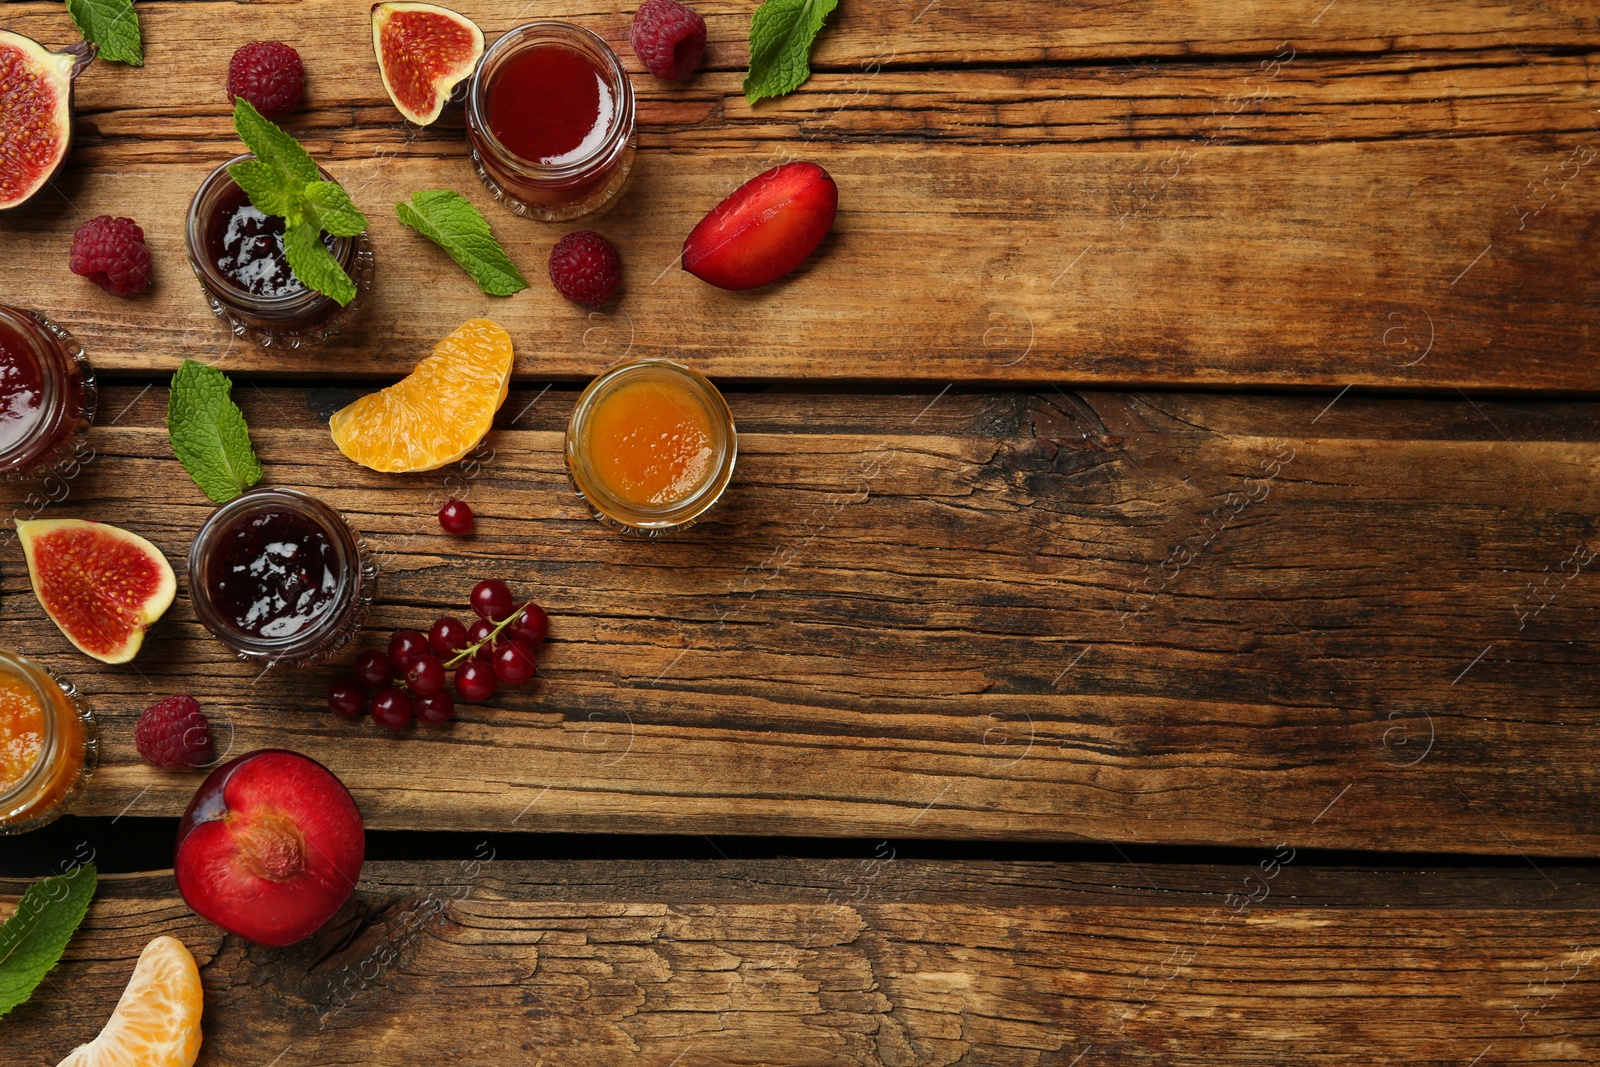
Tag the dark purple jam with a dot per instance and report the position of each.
(247, 247)
(274, 574)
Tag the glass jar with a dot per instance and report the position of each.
(288, 314)
(280, 577)
(651, 447)
(47, 394)
(532, 90)
(48, 744)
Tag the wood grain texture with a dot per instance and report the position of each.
(1168, 195)
(880, 961)
(1138, 617)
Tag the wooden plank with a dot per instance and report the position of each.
(1186, 619)
(1410, 221)
(880, 961)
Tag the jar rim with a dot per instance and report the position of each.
(195, 234)
(346, 542)
(666, 517)
(560, 34)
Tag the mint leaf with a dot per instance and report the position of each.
(32, 940)
(111, 24)
(449, 220)
(208, 433)
(273, 146)
(284, 181)
(331, 209)
(313, 264)
(781, 34)
(261, 183)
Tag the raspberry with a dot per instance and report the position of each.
(173, 734)
(585, 267)
(668, 38)
(270, 75)
(111, 253)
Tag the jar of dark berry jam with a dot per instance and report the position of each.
(279, 576)
(47, 394)
(550, 118)
(237, 253)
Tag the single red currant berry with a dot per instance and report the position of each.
(513, 663)
(447, 637)
(404, 647)
(475, 681)
(425, 674)
(533, 623)
(373, 670)
(392, 708)
(435, 708)
(479, 632)
(456, 518)
(491, 599)
(346, 697)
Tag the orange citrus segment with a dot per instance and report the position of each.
(157, 1021)
(436, 414)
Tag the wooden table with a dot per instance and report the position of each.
(1187, 437)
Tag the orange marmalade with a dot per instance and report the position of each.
(47, 745)
(650, 446)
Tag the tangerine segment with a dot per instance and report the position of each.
(157, 1021)
(436, 414)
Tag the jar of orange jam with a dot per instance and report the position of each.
(48, 744)
(650, 446)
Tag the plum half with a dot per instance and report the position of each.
(270, 847)
(766, 228)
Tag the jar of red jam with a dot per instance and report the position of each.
(550, 118)
(650, 446)
(281, 577)
(237, 253)
(47, 394)
(48, 744)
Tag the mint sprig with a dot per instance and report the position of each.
(781, 35)
(208, 432)
(111, 24)
(32, 940)
(284, 181)
(449, 220)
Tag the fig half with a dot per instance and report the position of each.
(102, 585)
(35, 113)
(424, 52)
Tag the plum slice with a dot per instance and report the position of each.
(765, 229)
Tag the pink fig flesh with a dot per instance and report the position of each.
(35, 114)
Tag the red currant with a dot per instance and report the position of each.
(404, 647)
(425, 674)
(456, 517)
(480, 631)
(491, 599)
(346, 697)
(533, 623)
(475, 681)
(392, 708)
(447, 637)
(513, 663)
(435, 708)
(373, 670)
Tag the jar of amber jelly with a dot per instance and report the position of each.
(47, 394)
(651, 447)
(280, 577)
(237, 253)
(550, 118)
(48, 744)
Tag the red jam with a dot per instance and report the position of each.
(46, 394)
(247, 247)
(274, 574)
(550, 105)
(21, 388)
